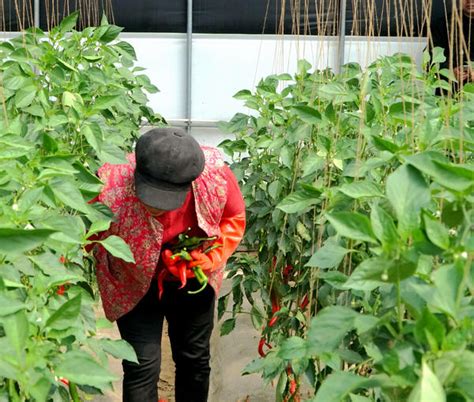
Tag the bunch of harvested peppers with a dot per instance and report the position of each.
(179, 254)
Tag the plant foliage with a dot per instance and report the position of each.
(71, 101)
(359, 191)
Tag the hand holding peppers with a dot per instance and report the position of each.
(202, 255)
(186, 260)
(200, 259)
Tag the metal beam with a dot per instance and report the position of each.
(342, 35)
(189, 64)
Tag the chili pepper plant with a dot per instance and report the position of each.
(359, 194)
(70, 101)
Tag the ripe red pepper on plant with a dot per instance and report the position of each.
(261, 344)
(275, 308)
(304, 302)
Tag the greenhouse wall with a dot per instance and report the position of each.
(225, 64)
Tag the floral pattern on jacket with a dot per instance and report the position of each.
(122, 285)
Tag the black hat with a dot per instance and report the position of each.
(168, 160)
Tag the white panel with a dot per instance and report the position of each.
(164, 57)
(223, 65)
(364, 50)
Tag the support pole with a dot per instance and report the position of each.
(342, 36)
(36, 13)
(189, 64)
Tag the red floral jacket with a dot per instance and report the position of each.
(123, 284)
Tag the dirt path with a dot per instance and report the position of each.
(230, 354)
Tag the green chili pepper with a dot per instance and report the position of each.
(201, 278)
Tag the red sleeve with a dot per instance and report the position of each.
(235, 202)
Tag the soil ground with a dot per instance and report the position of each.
(230, 354)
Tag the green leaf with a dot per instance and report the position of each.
(70, 99)
(300, 133)
(312, 164)
(434, 164)
(17, 241)
(105, 102)
(383, 144)
(119, 349)
(110, 33)
(428, 388)
(303, 66)
(9, 305)
(438, 55)
(372, 272)
(384, 227)
(97, 227)
(244, 94)
(408, 193)
(70, 229)
(111, 153)
(80, 368)
(352, 225)
(94, 137)
(298, 201)
(40, 389)
(328, 329)
(65, 316)
(25, 96)
(284, 77)
(126, 48)
(227, 326)
(329, 255)
(361, 189)
(118, 248)
(35, 110)
(402, 110)
(16, 329)
(66, 65)
(337, 386)
(293, 348)
(436, 232)
(429, 328)
(104, 20)
(448, 281)
(67, 192)
(307, 114)
(68, 22)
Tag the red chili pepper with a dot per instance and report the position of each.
(60, 291)
(64, 381)
(161, 278)
(304, 302)
(181, 268)
(168, 259)
(287, 270)
(292, 388)
(261, 344)
(273, 321)
(275, 306)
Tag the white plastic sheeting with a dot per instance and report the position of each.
(224, 64)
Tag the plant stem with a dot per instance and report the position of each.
(73, 391)
(399, 308)
(12, 392)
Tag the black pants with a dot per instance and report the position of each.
(190, 320)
